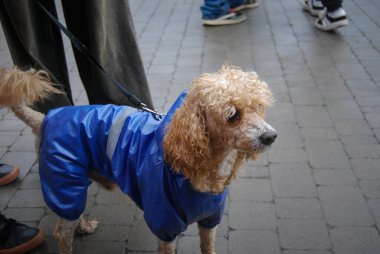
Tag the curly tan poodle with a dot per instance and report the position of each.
(176, 170)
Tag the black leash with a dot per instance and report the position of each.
(83, 49)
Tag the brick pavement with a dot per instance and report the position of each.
(316, 191)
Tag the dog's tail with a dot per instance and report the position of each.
(21, 88)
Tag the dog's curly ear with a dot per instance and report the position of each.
(186, 145)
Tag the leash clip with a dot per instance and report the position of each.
(158, 116)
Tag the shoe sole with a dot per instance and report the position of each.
(10, 177)
(336, 25)
(28, 246)
(223, 22)
(247, 6)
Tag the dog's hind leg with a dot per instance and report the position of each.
(64, 233)
(166, 247)
(86, 226)
(207, 240)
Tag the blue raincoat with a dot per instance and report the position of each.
(126, 148)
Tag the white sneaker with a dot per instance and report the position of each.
(328, 21)
(315, 7)
(228, 19)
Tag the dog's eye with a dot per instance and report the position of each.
(233, 116)
(260, 108)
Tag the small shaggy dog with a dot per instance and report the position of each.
(177, 170)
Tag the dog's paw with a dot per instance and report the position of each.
(87, 227)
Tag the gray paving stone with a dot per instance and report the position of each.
(251, 190)
(281, 113)
(288, 155)
(344, 206)
(8, 138)
(252, 215)
(306, 96)
(334, 177)
(140, 238)
(298, 208)
(24, 214)
(313, 116)
(191, 245)
(289, 135)
(31, 181)
(27, 198)
(49, 246)
(303, 233)
(335, 92)
(99, 247)
(367, 169)
(292, 180)
(114, 233)
(306, 252)
(352, 127)
(113, 197)
(374, 205)
(254, 171)
(371, 189)
(360, 140)
(7, 193)
(47, 224)
(113, 214)
(24, 143)
(261, 241)
(373, 119)
(3, 150)
(363, 150)
(319, 133)
(363, 240)
(326, 154)
(11, 125)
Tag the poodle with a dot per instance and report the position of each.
(177, 170)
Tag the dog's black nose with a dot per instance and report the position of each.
(268, 137)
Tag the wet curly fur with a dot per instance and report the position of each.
(219, 126)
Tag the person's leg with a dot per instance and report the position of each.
(107, 30)
(218, 12)
(212, 9)
(314, 7)
(34, 42)
(332, 5)
(334, 17)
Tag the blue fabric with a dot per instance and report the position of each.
(213, 9)
(74, 141)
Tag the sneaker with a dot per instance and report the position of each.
(315, 7)
(249, 4)
(8, 174)
(228, 19)
(331, 20)
(17, 238)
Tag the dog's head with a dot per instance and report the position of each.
(223, 110)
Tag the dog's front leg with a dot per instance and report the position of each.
(207, 236)
(166, 247)
(64, 233)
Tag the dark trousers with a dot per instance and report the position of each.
(104, 26)
(332, 5)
